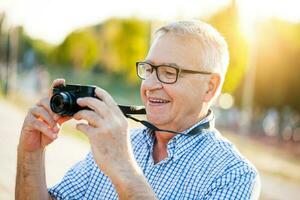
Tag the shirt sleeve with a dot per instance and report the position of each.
(237, 184)
(75, 181)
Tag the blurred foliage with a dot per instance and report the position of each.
(124, 42)
(79, 50)
(112, 47)
(278, 65)
(114, 83)
(32, 50)
(277, 78)
(227, 23)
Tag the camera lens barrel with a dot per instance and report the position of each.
(63, 103)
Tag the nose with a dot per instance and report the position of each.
(152, 82)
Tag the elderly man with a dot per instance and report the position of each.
(185, 157)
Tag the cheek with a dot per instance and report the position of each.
(142, 93)
(191, 93)
(178, 95)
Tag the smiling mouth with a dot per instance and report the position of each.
(157, 101)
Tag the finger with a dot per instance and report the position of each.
(55, 83)
(41, 113)
(90, 116)
(59, 119)
(43, 128)
(86, 129)
(95, 104)
(105, 97)
(45, 103)
(108, 100)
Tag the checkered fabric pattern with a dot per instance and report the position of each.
(204, 166)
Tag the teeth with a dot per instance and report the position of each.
(158, 101)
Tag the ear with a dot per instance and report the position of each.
(213, 85)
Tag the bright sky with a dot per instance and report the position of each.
(52, 20)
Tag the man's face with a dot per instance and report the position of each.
(175, 106)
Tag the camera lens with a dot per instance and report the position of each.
(62, 103)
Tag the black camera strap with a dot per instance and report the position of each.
(127, 110)
(133, 110)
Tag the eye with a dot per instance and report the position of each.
(168, 72)
(147, 68)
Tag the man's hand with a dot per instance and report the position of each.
(40, 128)
(107, 130)
(41, 125)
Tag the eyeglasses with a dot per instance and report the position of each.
(165, 73)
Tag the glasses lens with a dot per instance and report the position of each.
(167, 74)
(144, 70)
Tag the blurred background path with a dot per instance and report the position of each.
(67, 150)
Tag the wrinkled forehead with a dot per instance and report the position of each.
(170, 48)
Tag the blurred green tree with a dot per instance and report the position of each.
(114, 46)
(124, 41)
(79, 49)
(40, 48)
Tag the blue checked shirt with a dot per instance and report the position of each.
(203, 166)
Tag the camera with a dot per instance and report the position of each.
(63, 101)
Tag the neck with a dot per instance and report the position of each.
(163, 138)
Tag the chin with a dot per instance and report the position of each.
(157, 120)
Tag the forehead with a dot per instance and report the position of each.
(181, 50)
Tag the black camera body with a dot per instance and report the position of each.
(63, 101)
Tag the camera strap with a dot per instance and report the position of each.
(127, 110)
(133, 110)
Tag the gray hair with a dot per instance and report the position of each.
(215, 57)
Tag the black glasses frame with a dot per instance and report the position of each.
(178, 71)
